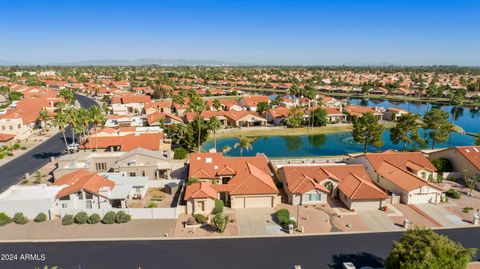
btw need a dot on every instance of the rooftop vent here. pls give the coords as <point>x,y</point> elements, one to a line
<point>208,160</point>
<point>475,149</point>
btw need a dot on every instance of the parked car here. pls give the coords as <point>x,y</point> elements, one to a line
<point>74,147</point>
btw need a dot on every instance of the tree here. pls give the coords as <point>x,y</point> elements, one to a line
<point>245,143</point>
<point>60,121</point>
<point>67,95</point>
<point>43,117</point>
<point>217,104</point>
<point>197,105</point>
<point>319,117</point>
<point>477,140</point>
<point>437,126</point>
<point>214,124</point>
<point>457,98</point>
<point>294,118</point>
<point>262,107</point>
<point>471,182</point>
<point>406,130</point>
<point>367,131</point>
<point>98,120</point>
<point>220,222</point>
<point>422,248</point>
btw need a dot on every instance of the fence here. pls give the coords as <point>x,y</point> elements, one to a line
<point>136,213</point>
<point>319,160</point>
<point>253,128</point>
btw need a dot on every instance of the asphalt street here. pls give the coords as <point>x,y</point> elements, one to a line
<point>326,251</point>
<point>12,172</point>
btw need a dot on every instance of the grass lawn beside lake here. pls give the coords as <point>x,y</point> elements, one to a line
<point>291,131</point>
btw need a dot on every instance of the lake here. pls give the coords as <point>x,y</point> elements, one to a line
<point>342,143</point>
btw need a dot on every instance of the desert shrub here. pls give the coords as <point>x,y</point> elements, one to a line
<point>19,218</point>
<point>122,217</point>
<point>109,218</point>
<point>220,222</point>
<point>283,218</point>
<point>153,205</point>
<point>442,165</point>
<point>467,209</point>
<point>81,218</point>
<point>9,154</point>
<point>41,217</point>
<point>179,153</point>
<point>453,194</point>
<point>218,208</point>
<point>68,219</point>
<point>4,219</point>
<point>199,218</point>
<point>16,146</point>
<point>94,219</point>
<point>23,148</point>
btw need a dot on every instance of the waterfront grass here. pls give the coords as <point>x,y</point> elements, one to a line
<point>293,131</point>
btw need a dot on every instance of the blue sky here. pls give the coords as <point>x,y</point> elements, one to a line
<point>260,32</point>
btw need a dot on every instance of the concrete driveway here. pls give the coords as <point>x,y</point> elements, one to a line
<point>376,220</point>
<point>256,221</point>
<point>442,215</point>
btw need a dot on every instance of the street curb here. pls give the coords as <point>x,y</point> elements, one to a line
<point>213,238</point>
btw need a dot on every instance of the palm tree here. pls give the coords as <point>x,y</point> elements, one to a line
<point>214,124</point>
<point>72,120</point>
<point>98,120</point>
<point>245,143</point>
<point>226,149</point>
<point>84,121</point>
<point>43,117</point>
<point>60,121</point>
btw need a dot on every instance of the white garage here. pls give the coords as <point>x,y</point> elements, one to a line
<point>252,201</point>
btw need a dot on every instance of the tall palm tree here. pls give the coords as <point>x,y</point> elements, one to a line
<point>98,120</point>
<point>245,143</point>
<point>43,117</point>
<point>72,120</point>
<point>214,124</point>
<point>197,105</point>
<point>60,121</point>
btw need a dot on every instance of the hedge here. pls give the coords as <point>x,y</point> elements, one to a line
<point>4,219</point>
<point>218,208</point>
<point>179,153</point>
<point>122,217</point>
<point>41,217</point>
<point>109,218</point>
<point>19,218</point>
<point>94,219</point>
<point>67,219</point>
<point>81,218</point>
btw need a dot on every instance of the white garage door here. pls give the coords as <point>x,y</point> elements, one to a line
<point>256,202</point>
<point>422,198</point>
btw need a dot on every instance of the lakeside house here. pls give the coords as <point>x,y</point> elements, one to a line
<point>240,182</point>
<point>464,160</point>
<point>313,184</point>
<point>409,175</point>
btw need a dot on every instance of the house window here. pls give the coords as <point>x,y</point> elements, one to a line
<point>89,204</point>
<point>64,205</point>
<point>88,195</point>
<point>19,126</point>
<point>3,128</point>
<point>132,174</point>
<point>11,127</point>
<point>101,166</point>
<point>314,197</point>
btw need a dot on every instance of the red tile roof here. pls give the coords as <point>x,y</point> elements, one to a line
<point>82,180</point>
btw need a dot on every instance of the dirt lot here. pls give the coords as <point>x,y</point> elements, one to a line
<point>206,230</point>
<point>153,195</point>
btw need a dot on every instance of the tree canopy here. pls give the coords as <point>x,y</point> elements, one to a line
<point>425,249</point>
<point>367,131</point>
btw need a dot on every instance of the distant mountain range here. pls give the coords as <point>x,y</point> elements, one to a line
<point>137,62</point>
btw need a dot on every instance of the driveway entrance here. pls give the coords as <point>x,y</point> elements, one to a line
<point>442,215</point>
<point>256,221</point>
<point>376,220</point>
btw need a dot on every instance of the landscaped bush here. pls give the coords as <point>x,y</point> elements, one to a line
<point>19,218</point>
<point>94,219</point>
<point>41,217</point>
<point>23,148</point>
<point>4,219</point>
<point>453,194</point>
<point>442,165</point>
<point>467,209</point>
<point>16,146</point>
<point>67,219</point>
<point>152,205</point>
<point>122,217</point>
<point>179,153</point>
<point>218,207</point>
<point>283,218</point>
<point>220,222</point>
<point>199,218</point>
<point>81,218</point>
<point>109,218</point>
